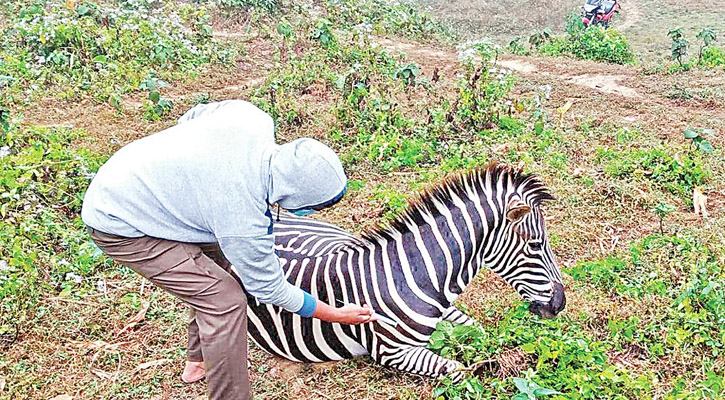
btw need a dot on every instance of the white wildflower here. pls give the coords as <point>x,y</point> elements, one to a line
<point>547,91</point>
<point>101,285</point>
<point>467,54</point>
<point>74,277</point>
<point>4,266</point>
<point>4,151</point>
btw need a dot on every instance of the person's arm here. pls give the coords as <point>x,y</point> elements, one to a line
<point>254,261</point>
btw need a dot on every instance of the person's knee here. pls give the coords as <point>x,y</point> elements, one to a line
<point>231,298</point>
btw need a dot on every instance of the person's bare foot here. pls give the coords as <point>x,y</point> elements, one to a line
<point>193,371</point>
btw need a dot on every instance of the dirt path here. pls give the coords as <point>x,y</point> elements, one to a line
<point>600,91</point>
<point>632,14</point>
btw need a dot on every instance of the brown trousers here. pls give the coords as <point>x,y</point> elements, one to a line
<point>199,275</point>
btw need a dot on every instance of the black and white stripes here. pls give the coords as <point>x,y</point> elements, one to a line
<point>412,271</point>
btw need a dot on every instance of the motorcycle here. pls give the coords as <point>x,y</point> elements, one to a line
<point>599,12</point>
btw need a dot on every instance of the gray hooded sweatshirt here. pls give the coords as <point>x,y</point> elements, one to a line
<point>211,178</point>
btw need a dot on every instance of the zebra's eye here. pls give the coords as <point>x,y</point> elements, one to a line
<point>535,246</point>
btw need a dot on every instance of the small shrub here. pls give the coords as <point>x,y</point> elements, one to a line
<point>595,43</point>
<point>662,210</point>
<point>697,135</point>
<point>404,18</point>
<point>517,47</point>
<point>539,37</point>
<point>713,57</point>
<point>483,89</point>
<point>676,175</point>
<point>679,45</point>
<point>707,36</point>
<point>43,247</point>
<point>156,106</point>
<point>246,5</point>
<point>393,201</point>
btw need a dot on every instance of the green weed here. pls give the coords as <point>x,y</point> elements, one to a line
<point>99,49</point>
<point>43,245</point>
<point>595,43</point>
<point>676,174</point>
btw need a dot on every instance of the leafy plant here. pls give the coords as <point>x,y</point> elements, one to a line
<point>530,390</point>
<point>539,37</point>
<point>483,89</point>
<point>516,46</point>
<point>408,73</point>
<point>4,120</point>
<point>157,106</point>
<point>662,210</point>
<point>246,5</point>
<point>574,25</point>
<point>42,181</point>
<point>393,201</point>
<point>713,57</point>
<point>402,18</point>
<point>677,175</point>
<point>697,135</point>
<point>679,45</point>
<point>707,36</point>
<point>323,32</point>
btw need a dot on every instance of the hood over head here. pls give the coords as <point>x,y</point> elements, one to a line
<point>305,173</point>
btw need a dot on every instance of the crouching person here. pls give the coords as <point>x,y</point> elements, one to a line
<point>189,210</point>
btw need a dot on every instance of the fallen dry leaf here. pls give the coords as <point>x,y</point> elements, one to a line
<point>152,364</point>
<point>562,112</point>
<point>101,373</point>
<point>62,397</point>
<point>133,321</point>
<point>95,345</point>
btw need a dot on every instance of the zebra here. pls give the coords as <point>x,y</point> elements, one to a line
<point>412,271</point>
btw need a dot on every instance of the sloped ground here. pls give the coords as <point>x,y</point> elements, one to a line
<point>149,358</point>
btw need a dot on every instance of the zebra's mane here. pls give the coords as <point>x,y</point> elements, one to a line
<point>455,184</point>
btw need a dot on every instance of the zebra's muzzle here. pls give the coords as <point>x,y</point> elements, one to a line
<point>553,307</point>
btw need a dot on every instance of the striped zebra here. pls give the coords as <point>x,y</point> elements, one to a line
<point>412,271</point>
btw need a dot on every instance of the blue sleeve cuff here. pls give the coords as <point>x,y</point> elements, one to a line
<point>308,306</point>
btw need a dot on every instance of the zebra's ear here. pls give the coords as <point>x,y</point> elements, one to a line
<point>516,210</point>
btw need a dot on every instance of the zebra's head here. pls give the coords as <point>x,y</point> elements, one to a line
<point>488,216</point>
<point>526,261</point>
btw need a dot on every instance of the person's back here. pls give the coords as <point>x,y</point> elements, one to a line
<point>183,183</point>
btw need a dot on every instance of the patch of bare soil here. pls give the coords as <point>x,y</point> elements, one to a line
<point>603,83</point>
<point>518,65</point>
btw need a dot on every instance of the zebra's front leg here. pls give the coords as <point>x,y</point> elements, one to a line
<point>456,316</point>
<point>421,361</point>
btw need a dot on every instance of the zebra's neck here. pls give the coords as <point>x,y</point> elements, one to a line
<point>439,252</point>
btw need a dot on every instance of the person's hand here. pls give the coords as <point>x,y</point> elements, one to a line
<point>352,314</point>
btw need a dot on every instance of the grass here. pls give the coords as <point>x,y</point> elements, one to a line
<point>644,316</point>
